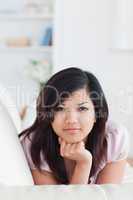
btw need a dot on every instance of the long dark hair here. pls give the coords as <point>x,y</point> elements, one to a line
<point>44,139</point>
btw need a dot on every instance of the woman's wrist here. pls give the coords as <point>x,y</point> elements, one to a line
<point>84,163</point>
<point>81,172</point>
<point>87,161</point>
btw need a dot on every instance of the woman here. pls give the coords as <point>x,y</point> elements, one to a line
<point>71,141</point>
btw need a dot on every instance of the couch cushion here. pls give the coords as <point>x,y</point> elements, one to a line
<point>14,169</point>
<point>118,191</point>
<point>7,101</point>
<point>68,192</point>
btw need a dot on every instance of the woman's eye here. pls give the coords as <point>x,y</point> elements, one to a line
<point>59,109</point>
<point>83,108</point>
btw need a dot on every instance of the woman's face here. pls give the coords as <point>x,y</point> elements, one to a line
<point>75,117</point>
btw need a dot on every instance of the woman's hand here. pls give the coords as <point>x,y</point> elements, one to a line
<point>75,151</point>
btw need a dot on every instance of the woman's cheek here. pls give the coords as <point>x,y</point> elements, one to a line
<point>87,122</point>
<point>57,124</point>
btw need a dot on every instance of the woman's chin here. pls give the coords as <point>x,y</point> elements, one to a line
<point>74,140</point>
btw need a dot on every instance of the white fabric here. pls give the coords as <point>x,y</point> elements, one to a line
<point>128,176</point>
<point>14,169</point>
<point>118,191</point>
<point>30,116</point>
<point>10,106</point>
<point>71,192</point>
<point>118,141</point>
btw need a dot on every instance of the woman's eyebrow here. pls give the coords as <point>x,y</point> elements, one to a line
<point>79,104</point>
<point>83,103</point>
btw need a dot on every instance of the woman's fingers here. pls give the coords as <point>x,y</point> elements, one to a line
<point>73,147</point>
<point>59,139</point>
<point>67,148</point>
<point>62,146</point>
<point>74,151</point>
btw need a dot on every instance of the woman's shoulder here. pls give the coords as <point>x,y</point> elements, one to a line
<point>26,137</point>
<point>115,129</point>
<point>26,142</point>
<point>117,140</point>
<point>112,127</point>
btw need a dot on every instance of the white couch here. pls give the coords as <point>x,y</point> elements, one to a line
<point>71,192</point>
<point>14,171</point>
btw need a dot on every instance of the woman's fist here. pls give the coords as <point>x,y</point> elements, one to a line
<point>75,151</point>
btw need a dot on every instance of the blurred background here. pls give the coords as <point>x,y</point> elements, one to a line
<point>40,37</point>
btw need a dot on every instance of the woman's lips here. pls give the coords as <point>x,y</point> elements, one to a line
<point>72,130</point>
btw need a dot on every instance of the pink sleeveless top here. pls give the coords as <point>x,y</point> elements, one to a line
<point>118,147</point>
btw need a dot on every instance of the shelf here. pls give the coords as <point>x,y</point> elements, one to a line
<point>25,16</point>
<point>46,49</point>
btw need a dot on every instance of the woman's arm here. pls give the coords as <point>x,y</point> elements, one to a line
<point>76,152</point>
<point>82,157</point>
<point>81,173</point>
<point>112,173</point>
<point>45,178</point>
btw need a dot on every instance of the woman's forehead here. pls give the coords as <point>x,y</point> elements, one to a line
<point>78,97</point>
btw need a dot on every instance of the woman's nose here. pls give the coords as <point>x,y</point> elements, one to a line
<point>71,116</point>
